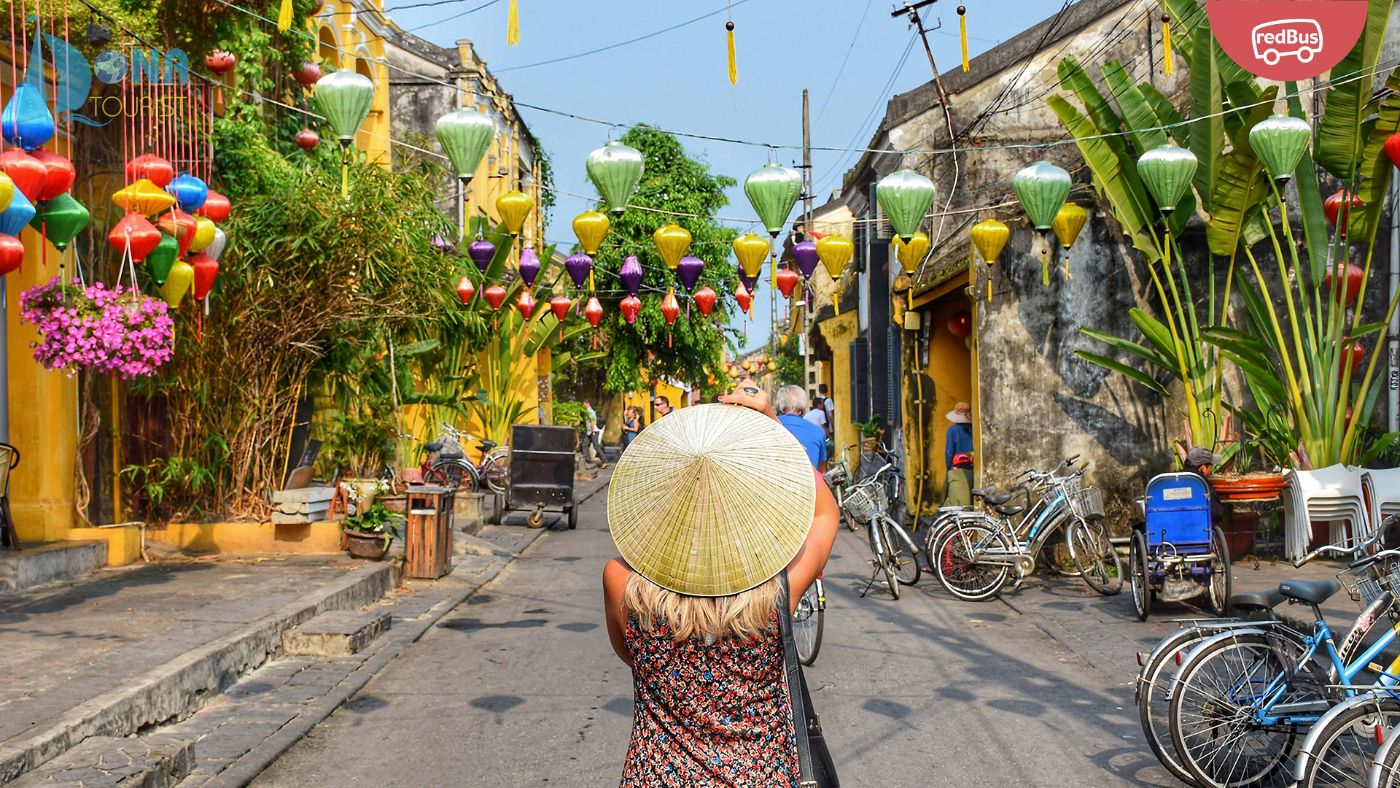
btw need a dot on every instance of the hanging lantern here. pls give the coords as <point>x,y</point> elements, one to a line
<point>495,295</point>
<point>1042,188</point>
<point>773,191</point>
<point>60,219</point>
<point>629,307</point>
<point>216,206</point>
<point>481,251</point>
<point>11,254</point>
<point>26,121</point>
<point>465,290</point>
<point>743,298</point>
<point>787,282</point>
<point>26,172</point>
<point>189,192</point>
<point>750,282</point>
<point>805,255</point>
<point>673,241</point>
<point>589,228</point>
<point>579,266</point>
<point>15,217</point>
<point>835,252</point>
<point>526,304</point>
<point>1338,209</point>
<point>1166,171</point>
<point>344,98</point>
<point>307,139</point>
<point>221,62</point>
<point>1350,286</point>
<point>206,270</point>
<point>204,229</point>
<point>670,307</point>
<point>529,266</point>
<point>911,253</point>
<point>464,135</point>
<point>905,196</point>
<point>751,250</point>
<point>594,311</point>
<point>705,301</point>
<point>1069,221</point>
<point>160,260</point>
<point>1280,141</point>
<point>136,230</point>
<point>688,270</point>
<point>960,325</point>
<point>1353,356</point>
<point>615,170</point>
<point>7,191</point>
<point>560,306</point>
<point>151,167</point>
<point>143,197</point>
<point>177,283</point>
<point>631,274</point>
<point>308,74</point>
<point>58,174</point>
<point>215,249</point>
<point>181,226</point>
<point>990,237</point>
<point>1392,149</point>
<point>514,206</point>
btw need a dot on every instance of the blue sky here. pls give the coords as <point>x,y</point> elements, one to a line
<point>677,80</point>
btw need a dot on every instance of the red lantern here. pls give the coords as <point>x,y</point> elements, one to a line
<point>1352,285</point>
<point>11,254</point>
<point>136,230</point>
<point>181,226</point>
<point>465,290</point>
<point>308,74</point>
<point>151,167</point>
<point>28,173</point>
<point>787,281</point>
<point>960,325</point>
<point>560,306</point>
<point>593,311</point>
<point>1339,206</point>
<point>307,139</point>
<point>705,300</point>
<point>1353,354</point>
<point>316,6</point>
<point>216,207</point>
<point>206,270</point>
<point>58,174</point>
<point>495,295</point>
<point>1392,148</point>
<point>670,308</point>
<point>629,307</point>
<point>220,62</point>
<point>743,298</point>
<point>525,303</point>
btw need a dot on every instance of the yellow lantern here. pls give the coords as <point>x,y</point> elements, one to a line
<point>835,252</point>
<point>673,241</point>
<point>911,252</point>
<point>514,206</point>
<point>7,191</point>
<point>143,197</point>
<point>750,250</point>
<point>590,227</point>
<point>203,233</point>
<point>990,237</point>
<point>177,283</point>
<point>1068,222</point>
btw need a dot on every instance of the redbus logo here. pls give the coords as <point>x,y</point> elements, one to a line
<point>1287,39</point>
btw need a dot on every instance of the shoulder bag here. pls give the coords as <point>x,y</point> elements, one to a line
<point>814,759</point>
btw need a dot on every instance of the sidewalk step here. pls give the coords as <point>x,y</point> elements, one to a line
<point>338,633</point>
<point>46,563</point>
<point>148,762</point>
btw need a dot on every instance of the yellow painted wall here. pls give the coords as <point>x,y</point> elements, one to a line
<point>249,538</point>
<point>950,369</point>
<point>123,542</point>
<point>347,43</point>
<point>838,332</point>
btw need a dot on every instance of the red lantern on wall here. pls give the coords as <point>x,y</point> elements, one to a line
<point>1350,287</point>
<point>307,139</point>
<point>307,74</point>
<point>1338,209</point>
<point>1392,148</point>
<point>960,325</point>
<point>11,254</point>
<point>220,62</point>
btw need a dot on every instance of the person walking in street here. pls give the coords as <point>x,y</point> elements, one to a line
<point>661,404</point>
<point>828,406</point>
<point>817,415</point>
<point>631,425</point>
<point>957,454</point>
<point>592,440</point>
<point>714,512</point>
<point>792,404</point>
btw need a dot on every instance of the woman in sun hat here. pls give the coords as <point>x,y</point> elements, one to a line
<point>709,508</point>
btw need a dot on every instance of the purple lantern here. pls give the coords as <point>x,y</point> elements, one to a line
<point>529,266</point>
<point>481,251</point>
<point>578,266</point>
<point>750,282</point>
<point>441,244</point>
<point>805,254</point>
<point>631,274</point>
<point>688,271</point>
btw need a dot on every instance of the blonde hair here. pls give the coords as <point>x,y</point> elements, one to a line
<point>744,615</point>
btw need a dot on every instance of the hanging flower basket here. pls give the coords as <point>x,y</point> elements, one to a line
<point>110,331</point>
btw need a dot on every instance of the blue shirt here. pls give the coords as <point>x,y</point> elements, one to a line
<point>812,437</point>
<point>959,442</point>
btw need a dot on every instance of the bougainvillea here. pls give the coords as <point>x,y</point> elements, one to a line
<point>110,331</point>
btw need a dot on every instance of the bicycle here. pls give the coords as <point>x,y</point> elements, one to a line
<point>838,478</point>
<point>445,465</point>
<point>894,552</point>
<point>892,465</point>
<point>807,622</point>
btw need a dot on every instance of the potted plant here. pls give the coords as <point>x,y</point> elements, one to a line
<point>870,433</point>
<point>110,331</point>
<point>370,531</point>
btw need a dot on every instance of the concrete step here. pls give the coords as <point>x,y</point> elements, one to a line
<point>338,633</point>
<point>48,563</point>
<point>146,762</point>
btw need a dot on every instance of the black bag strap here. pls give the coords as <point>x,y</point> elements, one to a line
<point>797,688</point>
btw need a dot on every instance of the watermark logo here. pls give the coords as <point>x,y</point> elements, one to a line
<point>1287,39</point>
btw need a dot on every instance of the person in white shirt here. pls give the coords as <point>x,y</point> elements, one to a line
<point>817,415</point>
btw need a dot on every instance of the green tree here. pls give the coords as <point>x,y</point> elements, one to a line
<point>788,362</point>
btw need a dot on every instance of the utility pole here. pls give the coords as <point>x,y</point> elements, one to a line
<point>913,13</point>
<point>806,233</point>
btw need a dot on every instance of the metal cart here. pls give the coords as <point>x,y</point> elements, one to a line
<point>1177,554</point>
<point>541,473</point>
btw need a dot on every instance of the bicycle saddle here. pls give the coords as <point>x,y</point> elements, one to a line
<point>487,445</point>
<point>998,499</point>
<point>1314,592</point>
<point>1008,511</point>
<point>982,492</point>
<point>1266,600</point>
<point>435,446</point>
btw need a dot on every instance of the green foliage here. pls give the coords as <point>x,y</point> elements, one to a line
<point>789,366</point>
<point>375,520</point>
<point>569,414</point>
<point>170,487</point>
<point>545,181</point>
<point>869,429</point>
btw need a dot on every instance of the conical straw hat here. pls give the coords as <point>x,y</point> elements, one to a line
<point>711,500</point>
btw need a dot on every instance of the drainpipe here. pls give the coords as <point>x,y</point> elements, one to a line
<point>1393,338</point>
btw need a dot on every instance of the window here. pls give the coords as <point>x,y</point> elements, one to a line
<point>327,47</point>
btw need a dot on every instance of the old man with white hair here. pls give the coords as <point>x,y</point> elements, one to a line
<point>791,405</point>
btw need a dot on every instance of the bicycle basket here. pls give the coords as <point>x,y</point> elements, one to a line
<point>1087,503</point>
<point>837,474</point>
<point>865,502</point>
<point>1362,588</point>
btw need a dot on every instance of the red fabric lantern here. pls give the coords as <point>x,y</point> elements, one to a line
<point>787,281</point>
<point>465,290</point>
<point>1392,148</point>
<point>136,230</point>
<point>526,304</point>
<point>1351,288</point>
<point>206,270</point>
<point>705,300</point>
<point>1338,208</point>
<point>743,298</point>
<point>216,207</point>
<point>629,307</point>
<point>181,226</point>
<point>28,173</point>
<point>220,62</point>
<point>58,174</point>
<point>11,254</point>
<point>307,74</point>
<point>670,307</point>
<point>151,167</point>
<point>495,295</point>
<point>307,139</point>
<point>560,306</point>
<point>1354,354</point>
<point>960,325</point>
<point>593,311</point>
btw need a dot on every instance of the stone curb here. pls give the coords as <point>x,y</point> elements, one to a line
<point>182,685</point>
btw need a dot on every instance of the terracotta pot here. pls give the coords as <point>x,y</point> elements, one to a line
<point>395,503</point>
<point>1253,487</point>
<point>370,546</point>
<point>1239,534</point>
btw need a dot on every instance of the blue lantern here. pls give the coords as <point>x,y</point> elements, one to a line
<point>190,192</point>
<point>17,216</point>
<point>26,120</point>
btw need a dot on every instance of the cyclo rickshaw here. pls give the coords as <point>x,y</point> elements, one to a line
<point>1177,553</point>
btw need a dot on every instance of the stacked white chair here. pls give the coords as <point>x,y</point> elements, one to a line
<point>1336,494</point>
<point>1385,493</point>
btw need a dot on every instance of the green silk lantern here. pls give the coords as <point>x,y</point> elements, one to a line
<point>162,258</point>
<point>1280,141</point>
<point>60,220</point>
<point>464,135</point>
<point>344,98</point>
<point>615,170</point>
<point>1042,188</point>
<point>773,191</point>
<point>177,284</point>
<point>905,196</point>
<point>1167,170</point>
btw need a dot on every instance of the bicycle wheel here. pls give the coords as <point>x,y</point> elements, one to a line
<point>1137,574</point>
<point>1220,582</point>
<point>1215,693</point>
<point>1154,682</point>
<point>807,623</point>
<point>1095,556</point>
<point>495,469</point>
<point>882,558</point>
<point>1344,743</point>
<point>453,474</point>
<point>957,560</point>
<point>1385,772</point>
<point>903,552</point>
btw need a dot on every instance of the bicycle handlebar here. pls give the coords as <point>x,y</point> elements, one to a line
<point>1341,552</point>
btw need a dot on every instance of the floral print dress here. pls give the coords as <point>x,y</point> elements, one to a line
<point>709,714</point>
